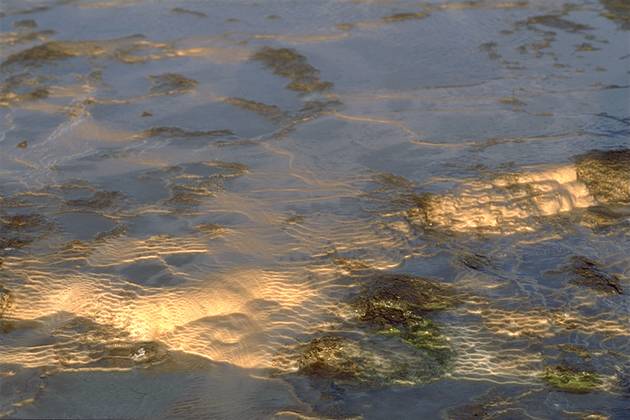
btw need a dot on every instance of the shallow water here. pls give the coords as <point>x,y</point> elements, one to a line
<point>378,209</point>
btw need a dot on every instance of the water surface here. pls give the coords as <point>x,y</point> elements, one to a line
<point>314,209</point>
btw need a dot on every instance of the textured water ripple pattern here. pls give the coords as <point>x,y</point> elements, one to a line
<point>322,209</point>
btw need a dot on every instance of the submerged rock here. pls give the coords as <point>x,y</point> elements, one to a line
<point>569,379</point>
<point>606,174</point>
<point>367,361</point>
<point>332,357</point>
<point>398,293</point>
<point>289,63</point>
<point>395,342</point>
<point>590,274</point>
<point>397,305</point>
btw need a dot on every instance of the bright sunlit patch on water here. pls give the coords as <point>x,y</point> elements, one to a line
<point>334,209</point>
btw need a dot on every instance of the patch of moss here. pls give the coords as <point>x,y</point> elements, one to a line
<point>606,174</point>
<point>289,63</point>
<point>402,17</point>
<point>397,306</point>
<point>571,380</point>
<point>171,84</point>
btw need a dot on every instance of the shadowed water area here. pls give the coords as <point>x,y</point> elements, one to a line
<point>315,209</point>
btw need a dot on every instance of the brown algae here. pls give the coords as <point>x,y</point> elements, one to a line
<point>292,65</point>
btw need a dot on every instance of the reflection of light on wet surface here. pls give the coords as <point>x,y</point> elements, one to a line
<point>183,210</point>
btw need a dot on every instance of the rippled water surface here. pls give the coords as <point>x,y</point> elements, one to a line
<point>306,209</point>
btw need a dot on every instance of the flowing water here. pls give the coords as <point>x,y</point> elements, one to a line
<point>306,209</point>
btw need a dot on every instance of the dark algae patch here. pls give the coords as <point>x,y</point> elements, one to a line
<point>396,344</point>
<point>182,11</point>
<point>402,17</point>
<point>271,112</point>
<point>171,84</point>
<point>100,200</point>
<point>399,293</point>
<point>289,63</point>
<point>48,52</point>
<point>590,274</point>
<point>557,22</point>
<point>568,379</point>
<point>606,174</point>
<point>397,305</point>
<point>180,133</point>
<point>618,11</point>
<point>25,24</point>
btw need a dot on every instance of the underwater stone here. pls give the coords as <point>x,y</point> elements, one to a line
<point>606,174</point>
<point>403,293</point>
<point>397,306</point>
<point>330,357</point>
